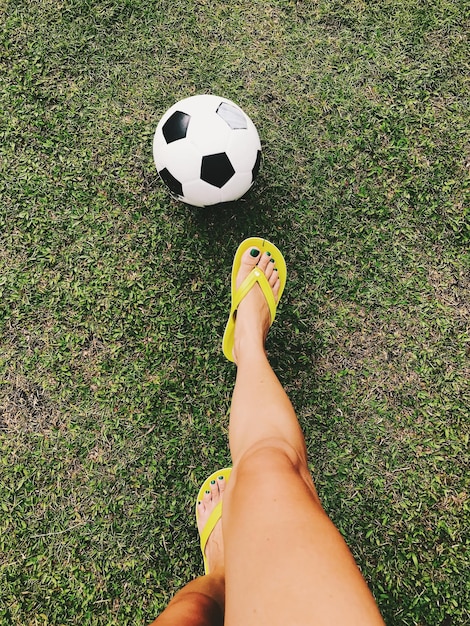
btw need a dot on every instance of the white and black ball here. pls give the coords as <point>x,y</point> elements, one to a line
<point>207,150</point>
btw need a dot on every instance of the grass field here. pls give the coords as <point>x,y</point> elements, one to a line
<point>114,393</point>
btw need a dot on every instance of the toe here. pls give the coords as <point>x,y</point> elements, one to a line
<point>214,490</point>
<point>207,497</point>
<point>221,484</point>
<point>250,257</point>
<point>273,278</point>
<point>264,261</point>
<point>248,261</point>
<point>201,508</point>
<point>270,270</point>
<point>276,285</point>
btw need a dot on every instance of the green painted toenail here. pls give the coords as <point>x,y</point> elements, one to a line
<point>212,482</point>
<point>254,252</point>
<point>268,253</point>
<point>271,260</point>
<point>207,492</point>
<point>221,477</point>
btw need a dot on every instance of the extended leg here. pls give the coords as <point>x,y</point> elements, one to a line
<point>285,561</point>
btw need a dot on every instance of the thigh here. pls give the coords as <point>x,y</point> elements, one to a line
<point>285,562</point>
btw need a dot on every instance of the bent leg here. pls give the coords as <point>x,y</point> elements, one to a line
<point>199,603</point>
<point>285,562</point>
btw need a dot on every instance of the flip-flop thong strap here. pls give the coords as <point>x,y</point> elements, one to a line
<point>256,276</point>
<point>210,525</point>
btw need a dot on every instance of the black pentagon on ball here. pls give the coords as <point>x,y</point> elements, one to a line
<point>170,181</point>
<point>216,169</point>
<point>255,170</point>
<point>176,126</point>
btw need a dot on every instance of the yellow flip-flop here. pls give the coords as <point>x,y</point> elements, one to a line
<point>255,276</point>
<point>216,513</point>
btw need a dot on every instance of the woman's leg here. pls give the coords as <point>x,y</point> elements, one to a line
<point>201,602</point>
<point>285,562</point>
<point>196,604</point>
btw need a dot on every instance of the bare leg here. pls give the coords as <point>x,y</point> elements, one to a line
<point>201,602</point>
<point>285,561</point>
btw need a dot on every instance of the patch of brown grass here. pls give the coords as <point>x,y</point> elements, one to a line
<point>25,406</point>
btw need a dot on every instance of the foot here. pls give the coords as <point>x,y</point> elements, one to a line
<point>215,544</point>
<point>253,316</point>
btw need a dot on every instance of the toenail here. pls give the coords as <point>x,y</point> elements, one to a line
<point>254,252</point>
<point>271,260</point>
<point>207,492</point>
<point>212,482</point>
<point>221,477</point>
<point>268,253</point>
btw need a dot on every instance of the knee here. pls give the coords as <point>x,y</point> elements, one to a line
<point>270,455</point>
<point>275,459</point>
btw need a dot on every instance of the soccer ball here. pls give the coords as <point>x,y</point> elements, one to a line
<point>207,150</point>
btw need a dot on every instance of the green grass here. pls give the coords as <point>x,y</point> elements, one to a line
<point>113,298</point>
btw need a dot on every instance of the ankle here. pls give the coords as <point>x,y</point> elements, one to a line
<point>217,576</point>
<point>249,349</point>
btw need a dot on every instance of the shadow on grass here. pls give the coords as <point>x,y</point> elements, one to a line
<point>258,213</point>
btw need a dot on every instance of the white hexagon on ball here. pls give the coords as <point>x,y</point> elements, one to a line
<point>207,150</point>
